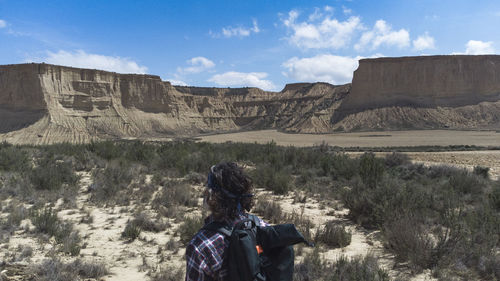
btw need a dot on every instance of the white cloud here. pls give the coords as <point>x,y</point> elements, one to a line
<point>197,65</point>
<point>324,68</point>
<point>251,79</point>
<point>474,47</point>
<point>238,31</point>
<point>177,82</point>
<point>320,31</point>
<point>3,24</point>
<point>82,59</point>
<point>383,35</point>
<point>346,10</point>
<point>424,42</point>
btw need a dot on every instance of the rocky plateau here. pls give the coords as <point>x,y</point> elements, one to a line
<point>42,103</point>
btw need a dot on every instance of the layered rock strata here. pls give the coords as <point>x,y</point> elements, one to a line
<point>423,92</point>
<point>41,103</point>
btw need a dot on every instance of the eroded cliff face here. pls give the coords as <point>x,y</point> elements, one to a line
<point>424,81</point>
<point>457,91</point>
<point>41,103</point>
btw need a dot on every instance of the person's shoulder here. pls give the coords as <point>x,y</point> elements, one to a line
<point>203,239</point>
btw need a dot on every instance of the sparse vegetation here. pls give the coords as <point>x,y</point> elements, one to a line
<point>55,270</point>
<point>131,231</point>
<point>343,269</point>
<point>437,218</point>
<point>189,228</point>
<point>333,235</point>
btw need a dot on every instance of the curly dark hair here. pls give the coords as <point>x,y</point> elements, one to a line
<point>231,177</point>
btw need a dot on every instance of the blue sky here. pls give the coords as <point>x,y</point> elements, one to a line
<point>259,43</point>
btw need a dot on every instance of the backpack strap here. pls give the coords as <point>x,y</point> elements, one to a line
<point>255,219</point>
<point>219,228</point>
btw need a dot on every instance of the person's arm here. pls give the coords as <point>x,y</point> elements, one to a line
<point>196,267</point>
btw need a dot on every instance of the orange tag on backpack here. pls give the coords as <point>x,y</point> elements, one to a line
<point>259,249</point>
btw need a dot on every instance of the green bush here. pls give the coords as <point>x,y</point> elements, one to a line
<point>52,174</point>
<point>343,269</point>
<point>371,169</point>
<point>495,196</point>
<point>144,222</point>
<point>278,181</point>
<point>175,193</point>
<point>46,221</point>
<point>269,210</point>
<point>333,235</point>
<point>358,268</point>
<point>13,158</point>
<point>168,274</point>
<point>55,270</point>
<point>482,171</point>
<point>396,159</point>
<point>189,228</point>
<point>131,231</point>
<point>107,183</point>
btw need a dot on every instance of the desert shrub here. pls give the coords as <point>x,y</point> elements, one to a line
<point>105,149</point>
<point>278,181</point>
<point>55,270</point>
<point>17,214</point>
<point>107,183</point>
<point>13,158</point>
<point>172,245</point>
<point>344,166</point>
<point>495,196</point>
<point>189,228</point>
<point>303,224</point>
<point>174,193</point>
<point>269,210</point>
<point>371,169</point>
<point>144,222</point>
<point>167,274</point>
<point>467,183</point>
<point>195,178</point>
<point>408,240</point>
<point>25,251</point>
<point>46,221</point>
<point>396,159</point>
<point>131,231</point>
<point>357,268</point>
<point>311,268</point>
<point>137,151</point>
<point>71,244</point>
<point>51,174</point>
<point>481,171</point>
<point>333,235</point>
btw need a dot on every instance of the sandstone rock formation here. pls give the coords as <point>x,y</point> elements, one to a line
<point>41,103</point>
<point>423,92</point>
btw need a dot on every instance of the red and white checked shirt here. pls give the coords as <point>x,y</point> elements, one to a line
<point>205,252</point>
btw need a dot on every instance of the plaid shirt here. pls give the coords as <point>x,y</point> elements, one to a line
<point>205,252</point>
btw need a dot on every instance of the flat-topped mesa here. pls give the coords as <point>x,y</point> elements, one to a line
<point>424,81</point>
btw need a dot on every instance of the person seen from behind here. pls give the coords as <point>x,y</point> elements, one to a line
<point>229,198</point>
